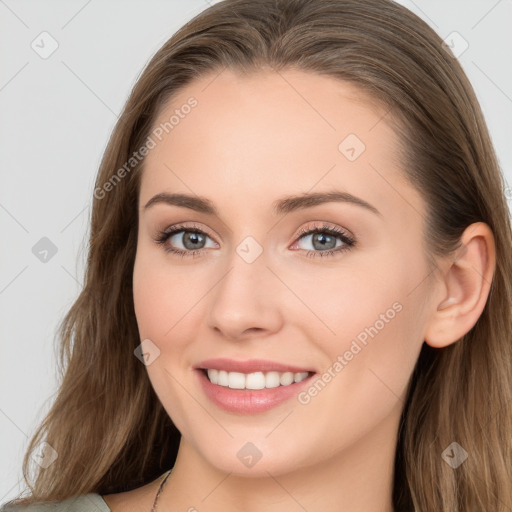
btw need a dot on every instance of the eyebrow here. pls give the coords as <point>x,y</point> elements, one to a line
<point>281,206</point>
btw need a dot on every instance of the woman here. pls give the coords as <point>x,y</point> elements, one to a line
<point>299,281</point>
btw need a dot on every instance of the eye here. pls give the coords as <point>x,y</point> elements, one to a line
<point>191,239</point>
<point>325,240</point>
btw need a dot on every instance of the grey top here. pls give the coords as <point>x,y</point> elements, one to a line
<point>91,502</point>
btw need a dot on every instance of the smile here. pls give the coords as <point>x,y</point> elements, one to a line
<point>255,380</point>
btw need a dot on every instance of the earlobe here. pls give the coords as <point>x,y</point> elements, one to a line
<point>465,283</point>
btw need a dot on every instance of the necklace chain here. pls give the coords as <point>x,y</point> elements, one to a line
<point>153,509</point>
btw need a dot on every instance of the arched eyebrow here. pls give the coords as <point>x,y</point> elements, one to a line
<point>281,206</point>
<point>300,202</point>
<point>197,203</point>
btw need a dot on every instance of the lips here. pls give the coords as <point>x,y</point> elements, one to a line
<point>251,401</point>
<point>250,366</point>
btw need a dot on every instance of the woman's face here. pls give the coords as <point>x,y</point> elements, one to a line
<point>262,286</point>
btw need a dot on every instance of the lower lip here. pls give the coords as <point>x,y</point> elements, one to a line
<point>249,401</point>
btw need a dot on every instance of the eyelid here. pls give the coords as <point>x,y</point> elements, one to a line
<point>185,226</point>
<point>324,227</point>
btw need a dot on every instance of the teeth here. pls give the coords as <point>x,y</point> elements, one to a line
<point>256,380</point>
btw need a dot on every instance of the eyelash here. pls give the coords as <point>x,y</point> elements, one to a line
<point>349,242</point>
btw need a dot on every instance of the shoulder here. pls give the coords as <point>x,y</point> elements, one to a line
<point>139,499</point>
<point>84,503</point>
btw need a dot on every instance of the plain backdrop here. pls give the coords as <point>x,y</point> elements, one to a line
<point>57,112</point>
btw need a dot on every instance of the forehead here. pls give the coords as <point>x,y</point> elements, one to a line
<point>268,134</point>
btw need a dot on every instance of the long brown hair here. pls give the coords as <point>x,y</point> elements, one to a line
<point>107,425</point>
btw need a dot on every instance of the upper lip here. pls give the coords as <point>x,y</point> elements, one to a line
<point>250,366</point>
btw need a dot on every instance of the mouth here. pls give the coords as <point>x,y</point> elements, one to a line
<point>253,390</point>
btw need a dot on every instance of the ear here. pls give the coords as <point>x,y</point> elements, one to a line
<point>464,287</point>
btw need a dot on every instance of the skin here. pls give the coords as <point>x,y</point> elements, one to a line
<point>250,141</point>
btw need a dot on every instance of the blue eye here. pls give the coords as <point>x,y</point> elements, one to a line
<point>323,237</point>
<point>189,238</point>
<point>193,240</point>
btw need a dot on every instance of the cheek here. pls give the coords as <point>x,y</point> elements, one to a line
<point>162,294</point>
<point>346,300</point>
<point>370,313</point>
<point>165,315</point>
<point>150,299</point>
<point>368,362</point>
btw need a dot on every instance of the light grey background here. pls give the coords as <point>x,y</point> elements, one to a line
<point>56,116</point>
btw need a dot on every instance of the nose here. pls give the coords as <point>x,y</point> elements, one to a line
<point>247,301</point>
